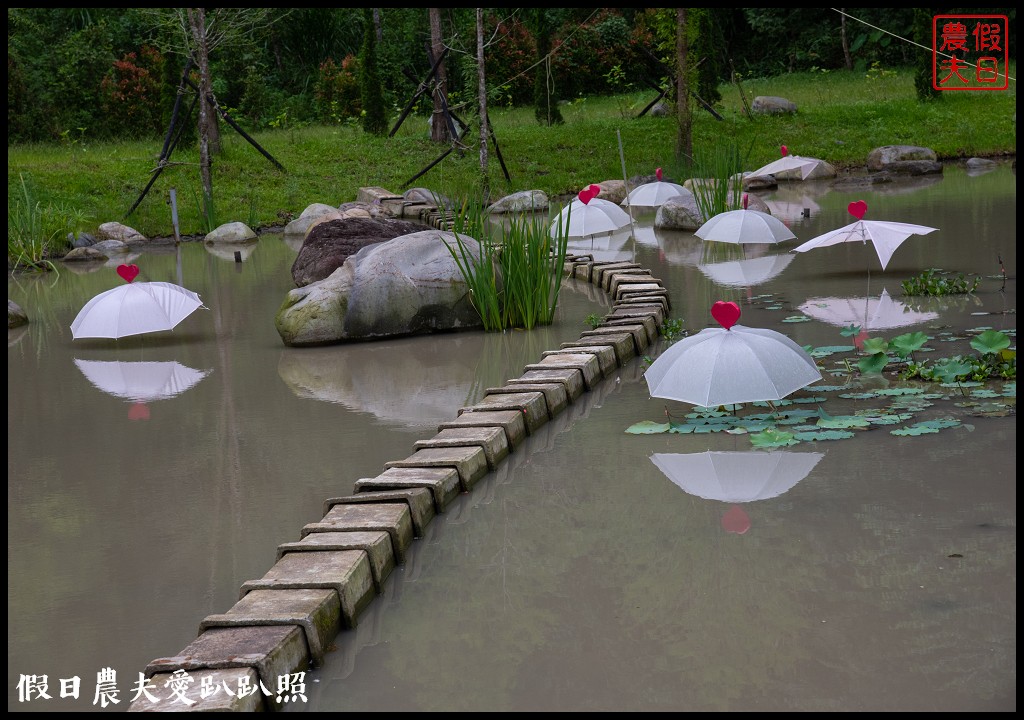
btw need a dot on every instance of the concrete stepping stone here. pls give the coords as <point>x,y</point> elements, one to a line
<point>347,572</point>
<point>419,500</point>
<point>605,356</point>
<point>491,439</point>
<point>512,421</point>
<point>443,482</point>
<point>570,378</point>
<point>555,395</point>
<point>532,405</point>
<point>375,543</point>
<point>393,518</point>
<point>262,653</point>
<point>587,364</point>
<point>469,462</point>
<point>317,612</point>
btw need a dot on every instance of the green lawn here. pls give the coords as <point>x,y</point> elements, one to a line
<point>841,117</point>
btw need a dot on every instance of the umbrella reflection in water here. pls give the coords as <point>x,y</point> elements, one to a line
<point>736,477</point>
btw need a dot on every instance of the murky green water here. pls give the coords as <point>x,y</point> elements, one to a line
<point>576,577</point>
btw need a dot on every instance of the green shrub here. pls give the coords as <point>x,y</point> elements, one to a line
<point>336,90</point>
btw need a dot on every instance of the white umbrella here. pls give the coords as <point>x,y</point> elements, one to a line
<point>884,235</point>
<point>654,194</point>
<point>140,381</point>
<point>737,477</point>
<point>134,309</point>
<point>731,364</point>
<point>870,313</point>
<point>588,215</point>
<point>744,226</point>
<point>786,163</point>
<point>747,272</point>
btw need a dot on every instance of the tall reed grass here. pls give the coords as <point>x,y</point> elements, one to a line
<point>514,277</point>
<point>36,232</point>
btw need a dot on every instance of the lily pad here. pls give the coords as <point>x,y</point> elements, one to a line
<point>772,438</point>
<point>647,427</point>
<point>900,391</point>
<point>914,430</point>
<point>991,341</point>
<point>893,419</point>
<point>841,422</point>
<point>796,319</point>
<point>824,435</point>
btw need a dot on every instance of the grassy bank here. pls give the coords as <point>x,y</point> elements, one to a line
<point>841,117</point>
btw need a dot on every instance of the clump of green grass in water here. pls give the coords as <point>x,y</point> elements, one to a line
<point>714,188</point>
<point>931,283</point>
<point>514,281</point>
<point>36,232</point>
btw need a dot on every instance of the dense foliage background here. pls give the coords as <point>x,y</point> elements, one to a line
<point>75,73</point>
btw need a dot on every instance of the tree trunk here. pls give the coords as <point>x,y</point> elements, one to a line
<point>482,89</point>
<point>684,140</point>
<point>438,125</point>
<point>207,115</point>
<point>376,25</point>
<point>846,42</point>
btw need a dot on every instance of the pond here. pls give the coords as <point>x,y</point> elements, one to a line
<point>577,576</point>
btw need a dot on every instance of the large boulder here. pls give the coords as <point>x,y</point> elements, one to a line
<point>910,159</point>
<point>523,201</point>
<point>121,233</point>
<point>772,105</point>
<point>232,233</point>
<point>406,286</point>
<point>683,213</point>
<point>16,317</point>
<point>300,225</point>
<point>331,242</point>
<point>614,191</point>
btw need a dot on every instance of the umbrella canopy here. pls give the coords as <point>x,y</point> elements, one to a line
<point>654,194</point>
<point>737,477</point>
<point>885,236</point>
<point>744,226</point>
<point>870,313</point>
<point>747,272</point>
<point>785,163</point>
<point>140,381</point>
<point>730,365</point>
<point>134,309</point>
<point>588,215</point>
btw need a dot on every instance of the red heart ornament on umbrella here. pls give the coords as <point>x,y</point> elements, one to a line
<point>585,196</point>
<point>726,313</point>
<point>785,150</point>
<point>595,189</point>
<point>857,209</point>
<point>657,174</point>
<point>128,272</point>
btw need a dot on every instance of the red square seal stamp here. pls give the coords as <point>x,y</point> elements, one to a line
<point>970,52</point>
